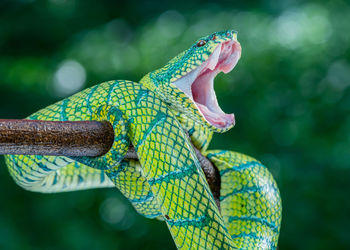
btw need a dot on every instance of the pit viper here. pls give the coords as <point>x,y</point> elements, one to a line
<point>162,115</point>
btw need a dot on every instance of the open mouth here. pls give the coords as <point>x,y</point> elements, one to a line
<point>199,83</point>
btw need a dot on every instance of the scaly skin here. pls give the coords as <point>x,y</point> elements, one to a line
<point>167,182</point>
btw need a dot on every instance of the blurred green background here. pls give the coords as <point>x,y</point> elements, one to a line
<point>290,94</point>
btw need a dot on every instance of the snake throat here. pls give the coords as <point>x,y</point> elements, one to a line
<point>199,83</point>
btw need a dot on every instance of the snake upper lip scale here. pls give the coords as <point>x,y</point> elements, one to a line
<point>199,83</point>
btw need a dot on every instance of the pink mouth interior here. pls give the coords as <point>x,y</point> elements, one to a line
<point>199,83</point>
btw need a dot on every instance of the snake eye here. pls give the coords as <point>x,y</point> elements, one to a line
<point>201,43</point>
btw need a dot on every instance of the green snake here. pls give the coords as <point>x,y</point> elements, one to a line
<point>161,115</point>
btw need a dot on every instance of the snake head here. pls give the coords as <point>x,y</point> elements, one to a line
<point>187,81</point>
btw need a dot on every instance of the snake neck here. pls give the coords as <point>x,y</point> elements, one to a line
<point>200,134</point>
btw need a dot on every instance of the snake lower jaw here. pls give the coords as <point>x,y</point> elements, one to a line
<point>222,120</point>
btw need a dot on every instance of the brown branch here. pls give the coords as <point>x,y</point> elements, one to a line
<point>82,138</point>
<point>79,138</point>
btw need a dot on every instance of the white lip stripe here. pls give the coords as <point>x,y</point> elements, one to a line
<point>214,58</point>
<point>185,82</point>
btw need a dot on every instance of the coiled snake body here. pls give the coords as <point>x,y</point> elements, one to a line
<point>155,116</point>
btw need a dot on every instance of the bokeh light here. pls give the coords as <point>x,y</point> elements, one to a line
<point>69,78</point>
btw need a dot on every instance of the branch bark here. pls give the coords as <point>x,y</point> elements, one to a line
<point>30,137</point>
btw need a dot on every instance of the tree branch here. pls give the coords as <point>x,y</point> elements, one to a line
<point>30,137</point>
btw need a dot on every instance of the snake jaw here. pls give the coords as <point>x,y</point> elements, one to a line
<point>199,83</point>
